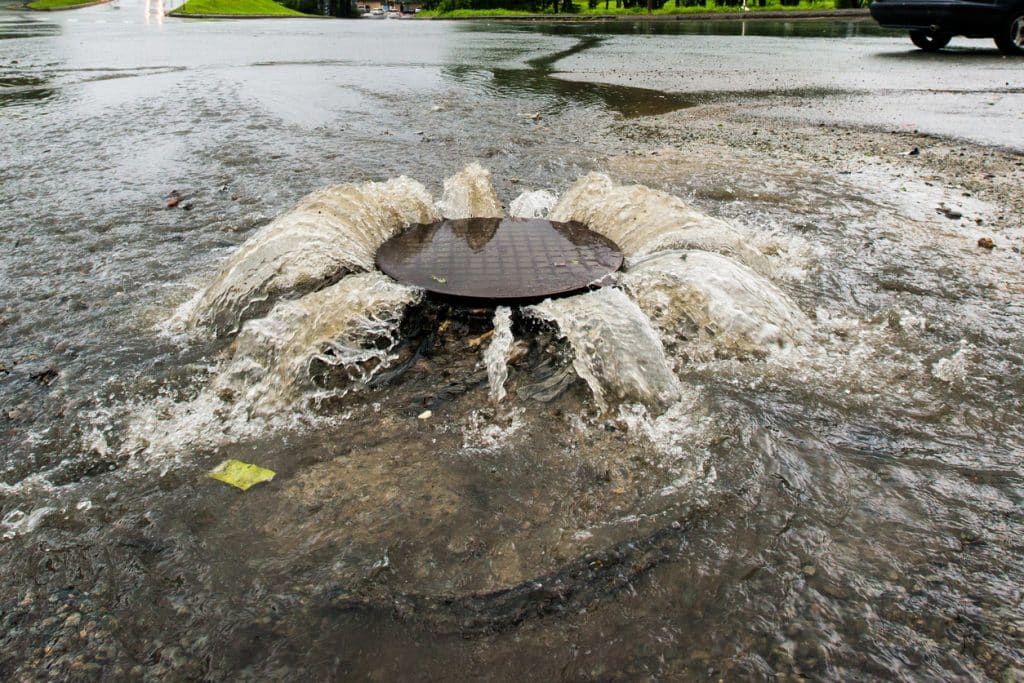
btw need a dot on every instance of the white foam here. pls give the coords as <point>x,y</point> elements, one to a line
<point>956,368</point>
<point>536,204</point>
<point>16,522</point>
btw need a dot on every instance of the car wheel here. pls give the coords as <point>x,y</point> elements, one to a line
<point>1010,39</point>
<point>930,42</point>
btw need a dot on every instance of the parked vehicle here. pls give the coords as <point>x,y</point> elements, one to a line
<point>933,22</point>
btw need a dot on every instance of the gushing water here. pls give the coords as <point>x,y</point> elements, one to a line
<point>497,353</point>
<point>320,344</point>
<point>615,349</point>
<point>331,233</point>
<point>535,204</point>
<point>470,194</point>
<point>699,295</point>
<point>643,221</point>
<point>304,351</point>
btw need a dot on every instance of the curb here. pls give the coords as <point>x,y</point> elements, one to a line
<point>70,7</point>
<point>183,15</point>
<point>687,16</point>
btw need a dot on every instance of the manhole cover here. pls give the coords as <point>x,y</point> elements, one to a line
<point>499,258</point>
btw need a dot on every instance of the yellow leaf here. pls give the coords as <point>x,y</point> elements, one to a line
<point>241,474</point>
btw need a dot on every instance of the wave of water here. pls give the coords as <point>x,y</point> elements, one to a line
<point>309,347</point>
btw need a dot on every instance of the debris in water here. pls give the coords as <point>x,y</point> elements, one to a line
<point>986,243</point>
<point>438,278</point>
<point>951,214</point>
<point>477,341</point>
<point>240,474</point>
<point>44,376</point>
<point>425,415</point>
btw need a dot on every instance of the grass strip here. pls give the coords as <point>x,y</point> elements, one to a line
<point>251,8</point>
<point>59,4</point>
<point>583,10</point>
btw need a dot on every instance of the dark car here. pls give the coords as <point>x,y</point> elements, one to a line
<point>933,22</point>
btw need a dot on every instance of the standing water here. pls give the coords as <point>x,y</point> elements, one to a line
<point>784,441</point>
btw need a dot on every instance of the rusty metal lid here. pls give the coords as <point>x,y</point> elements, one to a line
<point>501,259</point>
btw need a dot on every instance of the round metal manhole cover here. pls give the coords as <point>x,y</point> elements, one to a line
<point>499,258</point>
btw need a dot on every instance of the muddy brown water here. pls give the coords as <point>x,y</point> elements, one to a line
<point>851,509</point>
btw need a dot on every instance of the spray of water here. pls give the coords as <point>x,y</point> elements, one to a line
<point>497,354</point>
<point>331,233</point>
<point>470,194</point>
<point>643,221</point>
<point>319,345</point>
<point>615,349</point>
<point>322,335</point>
<point>706,297</point>
<point>310,349</point>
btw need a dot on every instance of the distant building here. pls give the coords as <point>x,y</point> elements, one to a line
<point>386,6</point>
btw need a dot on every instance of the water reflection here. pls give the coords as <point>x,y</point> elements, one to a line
<point>22,27</point>
<point>499,258</point>
<point>154,12</point>
<point>538,80</point>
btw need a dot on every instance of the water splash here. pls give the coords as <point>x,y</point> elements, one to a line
<point>332,232</point>
<point>536,204</point>
<point>643,221</point>
<point>320,344</point>
<point>497,354</point>
<point>482,434</point>
<point>304,351</point>
<point>616,351</point>
<point>470,194</point>
<point>694,295</point>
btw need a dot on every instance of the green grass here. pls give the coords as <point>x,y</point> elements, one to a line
<point>584,10</point>
<point>263,8</point>
<point>670,8</point>
<point>58,4</point>
<point>476,13</point>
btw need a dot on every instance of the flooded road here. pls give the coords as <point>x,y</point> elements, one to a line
<point>786,443</point>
